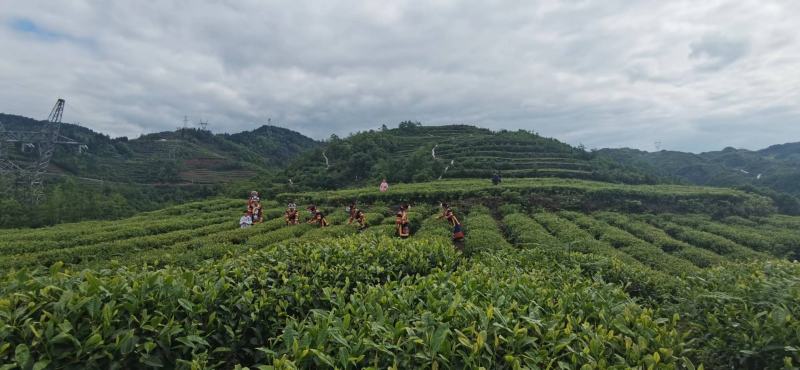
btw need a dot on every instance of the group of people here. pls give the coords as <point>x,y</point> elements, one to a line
<point>403,226</point>
<point>253,214</point>
<point>292,216</point>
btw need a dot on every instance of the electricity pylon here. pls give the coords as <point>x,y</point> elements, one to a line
<point>43,143</point>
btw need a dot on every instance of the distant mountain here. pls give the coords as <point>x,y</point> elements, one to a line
<point>776,167</point>
<point>788,151</point>
<point>185,156</point>
<point>275,145</point>
<point>412,153</point>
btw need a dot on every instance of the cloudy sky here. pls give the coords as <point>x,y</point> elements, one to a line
<point>692,75</point>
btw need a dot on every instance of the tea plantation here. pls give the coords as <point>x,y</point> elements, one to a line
<point>555,274</point>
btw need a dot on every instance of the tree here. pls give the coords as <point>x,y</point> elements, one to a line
<point>409,126</point>
<point>13,214</point>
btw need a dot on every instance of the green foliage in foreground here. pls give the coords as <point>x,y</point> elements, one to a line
<point>220,312</point>
<point>532,290</point>
<point>733,316</point>
<point>374,301</point>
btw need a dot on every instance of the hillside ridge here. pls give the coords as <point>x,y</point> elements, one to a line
<point>776,167</point>
<point>182,156</point>
<point>192,164</point>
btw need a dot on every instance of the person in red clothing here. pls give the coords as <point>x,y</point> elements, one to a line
<point>458,231</point>
<point>444,207</point>
<point>253,200</point>
<point>291,215</point>
<point>450,216</point>
<point>258,217</point>
<point>317,217</point>
<point>351,212</point>
<point>254,206</point>
<point>401,220</point>
<point>357,215</point>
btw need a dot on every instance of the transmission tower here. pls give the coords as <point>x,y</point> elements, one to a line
<point>203,125</point>
<point>185,126</point>
<point>42,142</point>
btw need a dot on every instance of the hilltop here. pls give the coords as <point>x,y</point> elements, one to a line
<point>413,153</point>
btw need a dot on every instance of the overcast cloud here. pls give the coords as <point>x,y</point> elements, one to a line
<point>694,75</point>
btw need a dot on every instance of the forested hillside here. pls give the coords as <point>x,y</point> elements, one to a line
<point>776,168</point>
<point>413,153</point>
<point>116,177</point>
<point>183,156</point>
<point>164,168</point>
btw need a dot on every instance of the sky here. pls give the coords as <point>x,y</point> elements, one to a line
<point>679,75</point>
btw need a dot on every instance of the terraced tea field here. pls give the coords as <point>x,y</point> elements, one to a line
<point>475,153</point>
<point>655,283</point>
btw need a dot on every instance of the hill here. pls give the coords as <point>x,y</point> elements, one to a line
<point>119,177</point>
<point>171,167</point>
<point>183,156</point>
<point>776,167</point>
<point>414,153</point>
<point>553,274</point>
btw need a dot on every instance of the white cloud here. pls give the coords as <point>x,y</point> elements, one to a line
<point>693,75</point>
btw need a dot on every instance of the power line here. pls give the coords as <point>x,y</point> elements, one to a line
<point>42,142</point>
